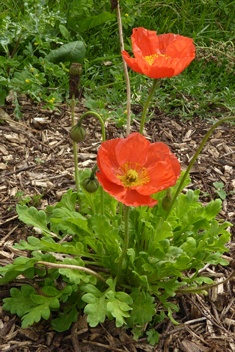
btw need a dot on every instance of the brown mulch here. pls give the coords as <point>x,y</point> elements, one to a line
<point>36,158</point>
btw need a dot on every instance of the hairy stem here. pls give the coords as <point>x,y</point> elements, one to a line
<point>125,246</point>
<point>194,159</point>
<point>103,138</point>
<point>75,150</point>
<point>146,105</point>
<point>128,87</point>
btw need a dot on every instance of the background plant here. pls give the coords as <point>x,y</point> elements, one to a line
<point>30,30</point>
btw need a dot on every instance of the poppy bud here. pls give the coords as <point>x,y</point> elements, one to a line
<point>90,185</point>
<point>166,203</point>
<point>77,134</point>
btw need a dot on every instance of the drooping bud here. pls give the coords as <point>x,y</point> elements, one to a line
<point>77,133</point>
<point>90,184</point>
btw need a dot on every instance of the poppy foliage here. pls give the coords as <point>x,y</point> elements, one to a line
<point>159,56</point>
<point>131,169</point>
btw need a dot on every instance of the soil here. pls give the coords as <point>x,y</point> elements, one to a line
<point>36,157</point>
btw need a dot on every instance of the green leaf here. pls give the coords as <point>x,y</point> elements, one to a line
<point>213,209</point>
<point>143,308</point>
<point>31,216</point>
<point>35,315</point>
<point>68,200</point>
<point>76,276</point>
<point>218,184</point>
<point>65,319</point>
<point>117,308</point>
<point>221,193</point>
<point>20,302</point>
<point>153,337</point>
<point>65,33</point>
<point>96,308</point>
<point>93,21</point>
<point>71,52</point>
<point>68,221</point>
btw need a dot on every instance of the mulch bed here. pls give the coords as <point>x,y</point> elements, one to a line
<point>36,158</point>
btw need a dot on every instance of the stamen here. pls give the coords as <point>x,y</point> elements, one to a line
<point>150,58</point>
<point>132,174</point>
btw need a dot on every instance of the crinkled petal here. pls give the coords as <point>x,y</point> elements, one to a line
<point>181,47</point>
<point>112,188</point>
<point>179,51</point>
<point>162,174</point>
<point>156,151</point>
<point>132,149</point>
<point>144,41</point>
<point>135,199</point>
<point>107,161</point>
<point>133,63</point>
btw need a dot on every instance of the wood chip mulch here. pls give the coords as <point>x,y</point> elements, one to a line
<point>36,158</point>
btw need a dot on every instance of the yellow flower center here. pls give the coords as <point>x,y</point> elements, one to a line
<point>150,58</point>
<point>132,174</point>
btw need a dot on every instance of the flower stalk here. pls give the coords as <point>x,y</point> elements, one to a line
<point>75,150</point>
<point>179,189</point>
<point>125,246</point>
<point>103,139</point>
<point>146,105</point>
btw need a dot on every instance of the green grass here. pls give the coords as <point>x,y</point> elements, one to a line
<point>208,82</point>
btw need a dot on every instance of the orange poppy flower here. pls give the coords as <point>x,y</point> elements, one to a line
<point>159,56</point>
<point>131,169</point>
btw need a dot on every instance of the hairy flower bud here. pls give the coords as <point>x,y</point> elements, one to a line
<point>90,185</point>
<point>77,134</point>
<point>166,203</point>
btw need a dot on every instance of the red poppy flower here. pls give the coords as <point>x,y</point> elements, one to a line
<point>159,56</point>
<point>131,169</point>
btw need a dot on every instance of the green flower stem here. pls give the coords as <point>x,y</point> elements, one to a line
<point>93,172</point>
<point>103,138</point>
<point>101,200</point>
<point>98,117</point>
<point>75,150</point>
<point>147,104</point>
<point>126,242</point>
<point>194,159</point>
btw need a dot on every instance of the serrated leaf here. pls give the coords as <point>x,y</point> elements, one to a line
<point>65,319</point>
<point>35,314</point>
<point>213,209</point>
<point>31,216</point>
<point>68,200</point>
<point>20,302</point>
<point>119,311</point>
<point>68,221</point>
<point>51,291</point>
<point>143,308</point>
<point>153,337</point>
<point>71,52</point>
<point>76,276</point>
<point>96,308</point>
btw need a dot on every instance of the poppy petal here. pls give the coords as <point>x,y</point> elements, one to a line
<point>132,149</point>
<point>107,161</point>
<point>146,169</point>
<point>135,199</point>
<point>133,63</point>
<point>112,188</point>
<point>160,56</point>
